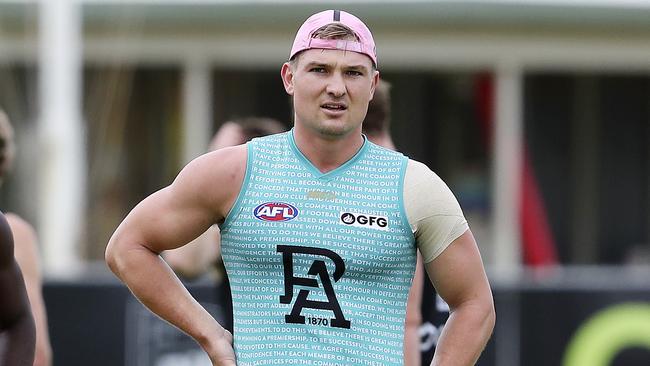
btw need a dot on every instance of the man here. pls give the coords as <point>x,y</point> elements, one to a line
<point>17,332</point>
<point>319,228</point>
<point>26,251</point>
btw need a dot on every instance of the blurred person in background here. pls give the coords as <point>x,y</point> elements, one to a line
<point>203,253</point>
<point>291,207</point>
<point>376,125</point>
<point>17,332</point>
<point>7,145</point>
<point>26,251</point>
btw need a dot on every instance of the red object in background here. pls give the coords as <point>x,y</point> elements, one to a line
<point>536,235</point>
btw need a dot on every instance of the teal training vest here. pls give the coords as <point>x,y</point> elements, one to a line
<point>320,264</point>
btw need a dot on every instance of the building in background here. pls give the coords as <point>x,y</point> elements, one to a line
<point>477,84</point>
<point>536,112</point>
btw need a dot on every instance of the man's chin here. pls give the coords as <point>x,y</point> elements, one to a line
<point>334,132</point>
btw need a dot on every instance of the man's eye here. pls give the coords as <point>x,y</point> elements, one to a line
<point>354,73</point>
<point>317,69</point>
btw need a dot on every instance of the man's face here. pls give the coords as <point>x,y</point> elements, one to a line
<point>331,90</point>
<point>7,149</point>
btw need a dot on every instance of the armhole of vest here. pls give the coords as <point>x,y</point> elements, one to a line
<point>402,207</point>
<point>250,154</point>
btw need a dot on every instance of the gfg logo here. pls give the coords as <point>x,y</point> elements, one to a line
<point>364,220</point>
<point>275,211</point>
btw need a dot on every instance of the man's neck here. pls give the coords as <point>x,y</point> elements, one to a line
<point>327,154</point>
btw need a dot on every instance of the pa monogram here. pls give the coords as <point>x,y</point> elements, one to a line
<point>318,269</point>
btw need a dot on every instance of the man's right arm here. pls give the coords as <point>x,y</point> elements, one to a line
<point>17,331</point>
<point>201,195</point>
<point>196,258</point>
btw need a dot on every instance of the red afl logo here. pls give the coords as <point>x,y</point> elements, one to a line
<point>275,211</point>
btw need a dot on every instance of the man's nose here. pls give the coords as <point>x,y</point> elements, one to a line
<point>336,85</point>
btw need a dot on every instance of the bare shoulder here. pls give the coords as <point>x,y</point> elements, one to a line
<point>216,177</point>
<point>20,227</point>
<point>26,249</point>
<point>224,159</point>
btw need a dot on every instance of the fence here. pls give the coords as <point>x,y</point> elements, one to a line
<point>570,317</point>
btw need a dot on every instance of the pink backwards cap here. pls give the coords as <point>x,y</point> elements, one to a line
<point>304,38</point>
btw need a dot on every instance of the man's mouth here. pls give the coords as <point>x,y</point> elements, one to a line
<point>334,106</point>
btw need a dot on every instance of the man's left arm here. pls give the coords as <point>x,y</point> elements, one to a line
<point>28,258</point>
<point>17,332</point>
<point>459,277</point>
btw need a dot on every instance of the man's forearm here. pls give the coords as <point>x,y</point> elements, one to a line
<point>17,329</point>
<point>411,345</point>
<point>157,287</point>
<point>465,335</point>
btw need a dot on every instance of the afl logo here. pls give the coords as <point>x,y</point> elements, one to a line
<point>275,211</point>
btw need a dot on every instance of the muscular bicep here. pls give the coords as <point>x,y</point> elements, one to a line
<point>458,274</point>
<point>432,210</point>
<point>199,197</point>
<point>163,221</point>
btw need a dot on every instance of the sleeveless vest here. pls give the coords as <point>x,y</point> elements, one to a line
<point>319,264</point>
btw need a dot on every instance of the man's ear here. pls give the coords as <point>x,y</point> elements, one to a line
<point>287,77</point>
<point>375,82</point>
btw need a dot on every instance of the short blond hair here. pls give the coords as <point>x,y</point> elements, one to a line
<point>335,31</point>
<point>330,31</point>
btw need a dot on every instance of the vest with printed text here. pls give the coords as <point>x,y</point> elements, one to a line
<point>319,264</point>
